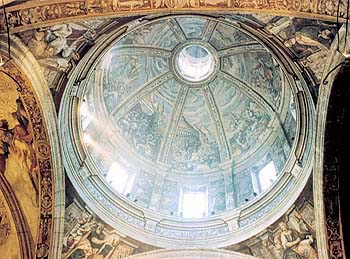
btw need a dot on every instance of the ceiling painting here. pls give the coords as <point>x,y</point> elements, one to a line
<point>224,36</point>
<point>168,91</point>
<point>174,120</point>
<point>265,79</point>
<point>195,146</point>
<point>193,27</point>
<point>125,76</point>
<point>187,112</point>
<point>144,37</point>
<point>155,126</point>
<point>140,128</point>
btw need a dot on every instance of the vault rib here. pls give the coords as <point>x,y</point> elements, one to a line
<point>172,127</point>
<point>126,105</point>
<point>224,147</point>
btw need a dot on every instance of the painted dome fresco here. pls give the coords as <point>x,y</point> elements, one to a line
<point>188,116</point>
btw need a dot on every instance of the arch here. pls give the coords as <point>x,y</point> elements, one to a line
<point>330,157</point>
<point>24,68</point>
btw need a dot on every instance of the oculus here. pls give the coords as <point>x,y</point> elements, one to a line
<point>194,63</point>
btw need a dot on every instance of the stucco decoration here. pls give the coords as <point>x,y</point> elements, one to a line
<point>27,15</point>
<point>145,133</point>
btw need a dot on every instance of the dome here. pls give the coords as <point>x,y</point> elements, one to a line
<point>186,110</point>
<point>186,119</point>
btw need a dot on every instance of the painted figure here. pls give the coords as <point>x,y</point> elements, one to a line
<point>293,242</point>
<point>17,157</point>
<point>94,245</point>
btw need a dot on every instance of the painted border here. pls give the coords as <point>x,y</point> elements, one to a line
<point>34,14</point>
<point>35,93</point>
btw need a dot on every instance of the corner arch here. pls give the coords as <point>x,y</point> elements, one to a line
<point>35,92</point>
<point>330,166</point>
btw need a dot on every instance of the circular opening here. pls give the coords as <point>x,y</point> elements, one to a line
<point>194,63</point>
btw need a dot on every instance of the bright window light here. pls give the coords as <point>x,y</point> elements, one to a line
<point>195,63</point>
<point>84,109</point>
<point>86,116</point>
<point>194,204</point>
<point>87,138</point>
<point>118,178</point>
<point>293,109</point>
<point>267,176</point>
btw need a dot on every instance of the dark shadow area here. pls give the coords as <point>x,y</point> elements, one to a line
<point>337,164</point>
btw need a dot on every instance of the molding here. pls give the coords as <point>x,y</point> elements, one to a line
<point>34,14</point>
<point>191,254</point>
